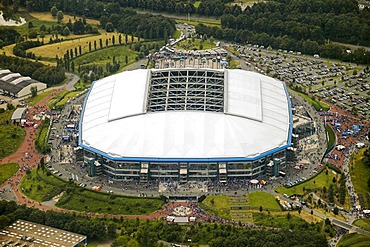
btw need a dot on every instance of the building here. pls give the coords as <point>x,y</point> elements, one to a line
<point>17,86</point>
<point>19,114</point>
<point>185,124</point>
<point>25,233</point>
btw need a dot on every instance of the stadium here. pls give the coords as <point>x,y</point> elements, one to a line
<point>188,124</point>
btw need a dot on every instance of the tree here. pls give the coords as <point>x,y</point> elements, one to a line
<point>336,210</point>
<point>66,31</point>
<point>109,27</point>
<point>60,16</point>
<point>33,91</point>
<point>54,11</point>
<point>288,216</point>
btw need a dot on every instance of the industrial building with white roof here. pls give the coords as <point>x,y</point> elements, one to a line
<point>186,124</point>
<point>16,85</point>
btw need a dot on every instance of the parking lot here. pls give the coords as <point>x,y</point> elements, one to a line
<point>346,85</point>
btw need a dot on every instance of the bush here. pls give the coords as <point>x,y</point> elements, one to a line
<point>32,35</point>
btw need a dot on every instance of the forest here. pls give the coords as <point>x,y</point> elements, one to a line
<point>147,233</point>
<point>35,70</point>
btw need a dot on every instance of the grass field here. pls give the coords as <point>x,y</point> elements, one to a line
<point>220,206</point>
<point>317,182</point>
<point>61,99</point>
<point>90,201</point>
<point>266,200</point>
<point>59,49</point>
<point>359,173</point>
<point>7,171</point>
<point>234,64</point>
<point>196,4</point>
<point>42,187</point>
<point>354,240</point>
<point>64,100</point>
<point>278,220</point>
<point>363,223</point>
<point>319,106</point>
<point>185,45</point>
<point>41,140</point>
<point>46,16</point>
<point>6,116</point>
<point>177,34</point>
<point>38,97</point>
<point>331,135</point>
<point>11,139</point>
<point>102,57</point>
<point>34,186</point>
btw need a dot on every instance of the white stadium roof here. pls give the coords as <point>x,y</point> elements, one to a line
<point>255,117</point>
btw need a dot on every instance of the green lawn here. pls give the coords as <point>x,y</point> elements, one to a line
<point>319,106</point>
<point>359,173</point>
<point>196,4</point>
<point>38,97</point>
<point>354,240</point>
<point>7,171</point>
<point>278,220</point>
<point>196,45</point>
<point>6,116</point>
<point>97,202</point>
<point>266,200</point>
<point>41,140</point>
<point>234,64</point>
<point>331,135</point>
<point>217,205</point>
<point>63,101</point>
<point>177,34</point>
<point>319,181</point>
<point>363,223</point>
<point>103,56</point>
<point>41,187</point>
<point>11,138</point>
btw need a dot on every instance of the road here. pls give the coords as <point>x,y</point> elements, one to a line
<point>71,81</point>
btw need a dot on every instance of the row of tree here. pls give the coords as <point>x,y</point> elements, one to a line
<point>328,50</point>
<point>35,70</point>
<point>147,233</point>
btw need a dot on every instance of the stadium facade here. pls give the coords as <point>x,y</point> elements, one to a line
<point>186,124</point>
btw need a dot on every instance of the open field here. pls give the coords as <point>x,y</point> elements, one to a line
<point>7,171</point>
<point>317,182</point>
<point>61,99</point>
<point>278,220</point>
<point>104,56</point>
<point>220,206</point>
<point>264,199</point>
<point>359,173</point>
<point>38,97</point>
<point>97,202</point>
<point>363,223</point>
<point>40,187</point>
<point>319,106</point>
<point>11,138</point>
<point>59,49</point>
<point>354,240</point>
<point>46,16</point>
<point>6,116</point>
